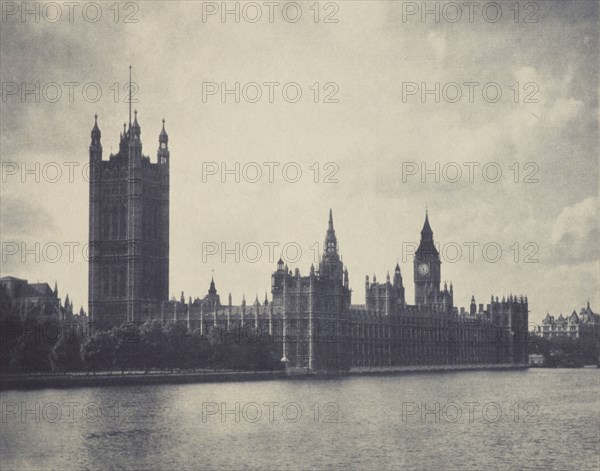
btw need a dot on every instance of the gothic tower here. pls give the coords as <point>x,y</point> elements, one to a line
<point>427,266</point>
<point>399,286</point>
<point>128,230</point>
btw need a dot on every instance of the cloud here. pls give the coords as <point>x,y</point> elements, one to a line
<point>438,43</point>
<point>574,235</point>
<point>369,134</point>
<point>563,111</point>
<point>22,218</point>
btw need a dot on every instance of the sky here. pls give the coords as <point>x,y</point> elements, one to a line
<point>515,113</point>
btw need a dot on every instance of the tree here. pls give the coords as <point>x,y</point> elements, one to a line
<point>11,329</point>
<point>153,341</point>
<point>219,351</point>
<point>197,351</point>
<point>588,349</point>
<point>128,347</point>
<point>65,353</point>
<point>31,352</point>
<point>178,343</point>
<point>98,351</point>
<point>538,345</point>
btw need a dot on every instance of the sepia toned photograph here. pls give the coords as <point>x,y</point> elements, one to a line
<point>299,235</point>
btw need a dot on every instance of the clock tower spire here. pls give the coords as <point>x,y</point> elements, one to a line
<point>427,264</point>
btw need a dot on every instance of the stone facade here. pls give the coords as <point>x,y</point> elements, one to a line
<point>310,318</point>
<point>316,327</point>
<point>21,298</point>
<point>128,229</point>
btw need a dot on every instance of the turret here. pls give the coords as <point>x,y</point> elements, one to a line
<point>95,228</point>
<point>212,298</point>
<point>96,134</point>
<point>95,145</point>
<point>135,149</point>
<point>397,276</point>
<point>124,141</point>
<point>135,130</point>
<point>277,278</point>
<point>473,306</point>
<point>163,146</point>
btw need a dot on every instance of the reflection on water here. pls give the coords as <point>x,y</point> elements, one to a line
<point>537,419</point>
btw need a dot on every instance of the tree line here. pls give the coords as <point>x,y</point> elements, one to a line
<point>47,345</point>
<point>565,352</point>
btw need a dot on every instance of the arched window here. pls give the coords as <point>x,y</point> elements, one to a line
<point>105,281</point>
<point>105,223</point>
<point>114,282</point>
<point>114,223</point>
<point>122,222</point>
<point>123,271</point>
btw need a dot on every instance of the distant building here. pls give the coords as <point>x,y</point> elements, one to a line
<point>20,298</point>
<point>536,359</point>
<point>584,324</point>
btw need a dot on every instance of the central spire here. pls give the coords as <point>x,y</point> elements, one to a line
<point>330,266</point>
<point>212,289</point>
<point>129,97</point>
<point>330,239</point>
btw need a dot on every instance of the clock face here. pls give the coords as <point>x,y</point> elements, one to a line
<point>423,269</point>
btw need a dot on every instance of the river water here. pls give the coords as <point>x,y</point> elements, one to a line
<point>537,419</point>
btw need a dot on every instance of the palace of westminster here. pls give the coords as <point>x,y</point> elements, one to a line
<point>311,318</point>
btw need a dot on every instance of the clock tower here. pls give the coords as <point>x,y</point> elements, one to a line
<point>427,267</point>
